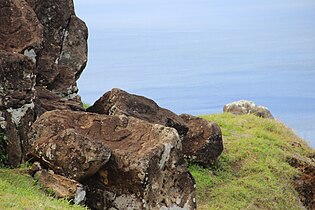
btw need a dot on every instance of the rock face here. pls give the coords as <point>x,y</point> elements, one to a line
<point>62,186</point>
<point>146,169</point>
<point>20,30</point>
<point>64,52</point>
<point>43,50</point>
<point>119,102</point>
<point>17,81</point>
<point>203,143</point>
<point>247,107</point>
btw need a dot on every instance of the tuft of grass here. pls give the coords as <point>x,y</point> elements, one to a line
<point>252,172</point>
<point>19,191</point>
<point>85,105</point>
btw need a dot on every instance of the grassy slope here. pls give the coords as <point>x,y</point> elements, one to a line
<point>19,191</point>
<point>252,172</point>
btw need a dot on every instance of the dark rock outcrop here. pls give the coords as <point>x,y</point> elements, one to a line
<point>146,169</point>
<point>17,81</point>
<point>247,107</point>
<point>203,143</point>
<point>119,102</point>
<point>64,52</point>
<point>43,50</point>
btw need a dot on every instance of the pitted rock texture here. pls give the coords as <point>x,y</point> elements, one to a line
<point>247,107</point>
<point>146,169</point>
<point>43,50</point>
<point>61,186</point>
<point>64,52</point>
<point>203,143</point>
<point>119,102</point>
<point>20,30</point>
<point>47,100</point>
<point>17,81</point>
<point>59,142</point>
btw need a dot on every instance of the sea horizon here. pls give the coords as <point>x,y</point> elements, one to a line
<point>196,56</point>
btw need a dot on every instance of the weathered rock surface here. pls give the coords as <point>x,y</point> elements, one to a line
<point>64,52</point>
<point>17,81</point>
<point>20,30</point>
<point>247,107</point>
<point>43,50</point>
<point>119,102</point>
<point>61,186</point>
<point>65,148</point>
<point>146,169</point>
<point>305,183</point>
<point>47,100</point>
<point>203,143</point>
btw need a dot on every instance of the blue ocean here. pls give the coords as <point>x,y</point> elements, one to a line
<point>194,56</point>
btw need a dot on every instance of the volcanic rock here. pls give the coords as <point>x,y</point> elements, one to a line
<point>47,100</point>
<point>59,146</point>
<point>247,107</point>
<point>119,102</point>
<point>146,169</point>
<point>17,81</point>
<point>61,186</point>
<point>43,50</point>
<point>64,53</point>
<point>203,143</point>
<point>20,30</point>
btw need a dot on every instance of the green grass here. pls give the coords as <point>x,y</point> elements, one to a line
<point>85,105</point>
<point>19,191</point>
<point>252,172</point>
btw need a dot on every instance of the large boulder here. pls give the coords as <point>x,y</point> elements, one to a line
<point>64,53</point>
<point>65,149</point>
<point>119,102</point>
<point>247,107</point>
<point>203,143</point>
<point>63,57</point>
<point>146,169</point>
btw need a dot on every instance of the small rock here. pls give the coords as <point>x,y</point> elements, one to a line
<point>203,143</point>
<point>61,186</point>
<point>247,107</point>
